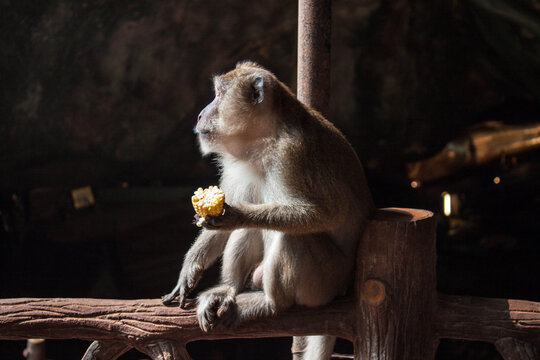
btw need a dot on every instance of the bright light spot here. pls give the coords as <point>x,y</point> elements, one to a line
<point>124,185</point>
<point>415,184</point>
<point>496,180</point>
<point>447,203</point>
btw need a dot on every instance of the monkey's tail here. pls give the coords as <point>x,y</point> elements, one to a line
<point>313,347</point>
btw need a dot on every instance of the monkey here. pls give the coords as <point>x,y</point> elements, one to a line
<point>297,202</point>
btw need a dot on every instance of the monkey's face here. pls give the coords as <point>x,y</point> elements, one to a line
<point>238,116</point>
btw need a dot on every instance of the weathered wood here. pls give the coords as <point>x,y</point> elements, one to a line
<point>342,356</point>
<point>165,350</point>
<point>512,349</point>
<point>482,144</point>
<point>139,321</point>
<point>395,287</point>
<point>105,350</point>
<point>35,349</point>
<point>484,319</point>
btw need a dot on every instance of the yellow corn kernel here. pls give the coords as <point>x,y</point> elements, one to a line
<point>208,202</point>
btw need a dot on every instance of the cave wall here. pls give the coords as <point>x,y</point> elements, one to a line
<point>101,92</point>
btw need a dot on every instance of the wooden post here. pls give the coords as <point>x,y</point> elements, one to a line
<point>35,349</point>
<point>512,349</point>
<point>105,350</point>
<point>395,287</point>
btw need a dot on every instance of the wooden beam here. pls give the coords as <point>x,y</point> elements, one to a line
<point>485,319</point>
<point>134,321</point>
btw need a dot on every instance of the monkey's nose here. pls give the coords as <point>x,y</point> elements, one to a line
<point>201,132</point>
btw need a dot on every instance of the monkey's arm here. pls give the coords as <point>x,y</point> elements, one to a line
<point>298,217</point>
<point>204,251</point>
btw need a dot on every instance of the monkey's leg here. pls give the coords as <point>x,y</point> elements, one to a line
<point>243,252</point>
<point>278,283</point>
<point>317,347</point>
<point>204,251</point>
<point>323,274</point>
<point>217,305</point>
<point>305,269</point>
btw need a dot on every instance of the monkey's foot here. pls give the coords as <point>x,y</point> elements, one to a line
<point>216,308</point>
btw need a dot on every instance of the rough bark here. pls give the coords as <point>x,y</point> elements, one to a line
<point>105,350</point>
<point>142,321</point>
<point>484,319</point>
<point>395,287</point>
<point>165,350</point>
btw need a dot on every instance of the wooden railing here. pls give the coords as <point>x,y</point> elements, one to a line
<point>395,312</point>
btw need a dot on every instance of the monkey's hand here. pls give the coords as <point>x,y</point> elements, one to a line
<point>231,219</point>
<point>188,279</point>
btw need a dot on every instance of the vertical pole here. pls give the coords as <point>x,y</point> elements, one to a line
<point>314,35</point>
<point>395,287</point>
<point>313,74</point>
<point>35,349</point>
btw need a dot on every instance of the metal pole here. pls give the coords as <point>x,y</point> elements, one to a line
<point>314,34</point>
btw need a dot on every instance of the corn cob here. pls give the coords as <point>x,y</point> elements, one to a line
<point>208,202</point>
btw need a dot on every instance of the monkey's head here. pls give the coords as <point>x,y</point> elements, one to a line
<point>240,115</point>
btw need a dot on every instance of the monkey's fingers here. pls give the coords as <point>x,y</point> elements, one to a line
<point>184,292</point>
<point>187,303</point>
<point>229,219</point>
<point>187,285</point>
<point>170,297</point>
<point>198,220</point>
<point>227,313</point>
<point>225,305</point>
<point>210,223</point>
<point>167,299</point>
<point>182,297</point>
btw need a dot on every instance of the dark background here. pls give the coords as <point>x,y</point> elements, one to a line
<point>105,94</point>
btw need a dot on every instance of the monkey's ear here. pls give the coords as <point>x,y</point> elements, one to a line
<point>257,90</point>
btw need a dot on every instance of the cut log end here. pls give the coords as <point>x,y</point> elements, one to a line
<point>393,214</point>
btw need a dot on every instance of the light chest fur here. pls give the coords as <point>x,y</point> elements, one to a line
<point>247,182</point>
<point>242,182</point>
